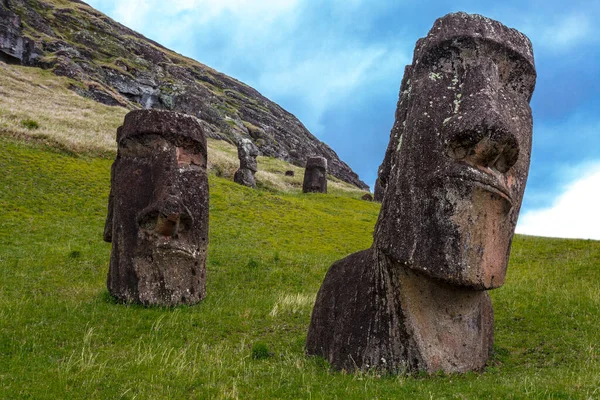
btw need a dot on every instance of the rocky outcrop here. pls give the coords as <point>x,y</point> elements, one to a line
<point>14,47</point>
<point>112,64</point>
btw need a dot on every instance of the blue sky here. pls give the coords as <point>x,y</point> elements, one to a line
<point>337,66</point>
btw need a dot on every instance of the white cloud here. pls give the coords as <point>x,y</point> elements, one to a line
<point>574,214</point>
<point>183,15</point>
<point>328,76</point>
<point>568,31</point>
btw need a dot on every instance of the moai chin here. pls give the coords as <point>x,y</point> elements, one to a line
<point>247,153</point>
<point>455,173</point>
<point>315,175</point>
<point>158,210</point>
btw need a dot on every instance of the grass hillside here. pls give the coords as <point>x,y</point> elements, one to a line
<point>36,105</point>
<point>114,65</point>
<point>62,336</point>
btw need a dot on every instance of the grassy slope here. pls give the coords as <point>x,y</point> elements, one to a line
<point>70,123</point>
<point>61,336</point>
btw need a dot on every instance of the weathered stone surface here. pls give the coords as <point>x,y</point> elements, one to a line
<point>385,169</point>
<point>245,176</point>
<point>453,179</point>
<point>147,74</point>
<point>247,153</point>
<point>373,313</point>
<point>158,210</point>
<point>315,175</point>
<point>15,48</point>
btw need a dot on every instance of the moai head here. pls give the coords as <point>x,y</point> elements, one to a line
<point>461,153</point>
<point>315,175</point>
<point>158,210</point>
<point>247,153</point>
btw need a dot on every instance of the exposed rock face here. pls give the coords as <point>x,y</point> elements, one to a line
<point>367,197</point>
<point>247,153</point>
<point>315,175</point>
<point>158,210</point>
<point>117,66</point>
<point>455,173</point>
<point>14,47</point>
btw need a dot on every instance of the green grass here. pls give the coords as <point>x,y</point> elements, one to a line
<point>61,335</point>
<point>30,123</point>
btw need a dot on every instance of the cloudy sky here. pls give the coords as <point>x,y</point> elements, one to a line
<point>337,65</point>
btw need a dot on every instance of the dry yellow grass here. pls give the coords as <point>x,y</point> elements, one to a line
<point>64,118</point>
<point>37,105</point>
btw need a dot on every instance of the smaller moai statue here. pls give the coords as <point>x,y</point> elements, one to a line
<point>158,210</point>
<point>315,175</point>
<point>247,153</point>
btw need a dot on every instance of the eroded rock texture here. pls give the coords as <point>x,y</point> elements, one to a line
<point>315,175</point>
<point>454,176</point>
<point>15,48</point>
<point>247,153</point>
<point>158,210</point>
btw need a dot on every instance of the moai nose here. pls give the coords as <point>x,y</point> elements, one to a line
<point>168,218</point>
<point>480,133</point>
<point>487,145</point>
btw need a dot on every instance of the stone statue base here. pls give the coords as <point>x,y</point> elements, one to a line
<point>245,177</point>
<point>371,313</point>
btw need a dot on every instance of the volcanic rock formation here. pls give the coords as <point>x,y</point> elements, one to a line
<point>112,64</point>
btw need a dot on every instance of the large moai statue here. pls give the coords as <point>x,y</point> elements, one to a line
<point>458,162</point>
<point>315,175</point>
<point>247,153</point>
<point>158,210</point>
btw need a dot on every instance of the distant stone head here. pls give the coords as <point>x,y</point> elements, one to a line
<point>315,175</point>
<point>247,153</point>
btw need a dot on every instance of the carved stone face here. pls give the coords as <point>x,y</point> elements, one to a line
<point>315,175</point>
<point>158,216</point>
<point>461,163</point>
<point>247,153</point>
